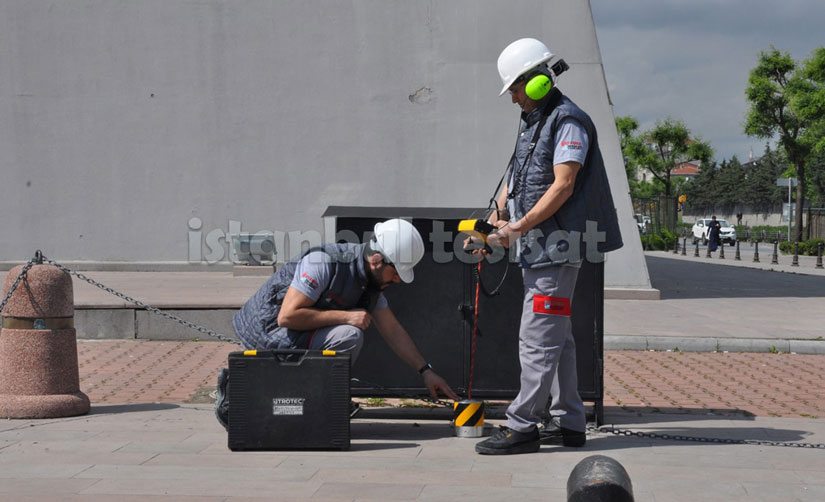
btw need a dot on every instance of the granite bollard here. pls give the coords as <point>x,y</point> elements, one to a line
<point>39,375</point>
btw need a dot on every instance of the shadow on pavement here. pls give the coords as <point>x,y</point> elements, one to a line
<point>681,279</point>
<point>651,415</point>
<point>671,422</point>
<point>111,409</point>
<point>402,431</point>
<point>715,436</point>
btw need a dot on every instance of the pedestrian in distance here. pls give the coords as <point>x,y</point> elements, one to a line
<point>714,234</point>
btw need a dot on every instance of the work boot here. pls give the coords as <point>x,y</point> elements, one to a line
<point>551,432</point>
<point>221,403</point>
<point>506,441</point>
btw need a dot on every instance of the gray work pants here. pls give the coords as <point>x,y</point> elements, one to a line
<point>340,338</point>
<point>547,351</point>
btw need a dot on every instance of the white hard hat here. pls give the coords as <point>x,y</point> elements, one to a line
<point>520,57</point>
<point>400,243</point>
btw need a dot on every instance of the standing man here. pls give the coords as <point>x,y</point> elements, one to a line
<point>556,207</point>
<point>327,298</point>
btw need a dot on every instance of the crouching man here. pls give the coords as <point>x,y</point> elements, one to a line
<point>327,298</point>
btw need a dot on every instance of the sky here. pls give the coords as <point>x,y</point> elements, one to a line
<point>690,60</point>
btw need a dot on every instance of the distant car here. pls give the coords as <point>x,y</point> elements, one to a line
<point>643,222</point>
<point>726,232</point>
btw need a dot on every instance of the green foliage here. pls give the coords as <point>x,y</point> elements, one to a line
<point>761,232</point>
<point>663,240</point>
<point>816,179</point>
<point>759,189</point>
<point>730,185</point>
<point>729,179</point>
<point>627,126</point>
<point>787,102</point>
<point>645,189</point>
<point>808,99</point>
<point>702,192</point>
<point>806,248</point>
<point>659,150</point>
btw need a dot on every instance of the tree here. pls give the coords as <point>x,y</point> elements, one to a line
<point>816,179</point>
<point>702,190</point>
<point>661,149</point>
<point>787,102</point>
<point>729,182</point>
<point>759,189</point>
<point>627,126</point>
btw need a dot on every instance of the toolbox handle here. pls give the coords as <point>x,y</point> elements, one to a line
<point>290,356</point>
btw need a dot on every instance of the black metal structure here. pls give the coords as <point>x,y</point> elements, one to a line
<point>437,311</point>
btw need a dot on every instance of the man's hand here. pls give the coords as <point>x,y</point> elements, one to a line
<point>435,383</point>
<point>359,318</point>
<point>505,236</point>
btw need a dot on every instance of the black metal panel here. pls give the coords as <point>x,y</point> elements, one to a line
<point>431,310</point>
<point>497,369</point>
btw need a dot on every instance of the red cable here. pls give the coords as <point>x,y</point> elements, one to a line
<point>475,335</point>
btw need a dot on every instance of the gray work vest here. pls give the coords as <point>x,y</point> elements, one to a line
<point>347,289</point>
<point>562,237</point>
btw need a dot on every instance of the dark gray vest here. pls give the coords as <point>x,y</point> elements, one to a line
<point>347,289</point>
<point>566,236</point>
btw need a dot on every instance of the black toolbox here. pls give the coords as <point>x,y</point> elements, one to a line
<point>288,400</point>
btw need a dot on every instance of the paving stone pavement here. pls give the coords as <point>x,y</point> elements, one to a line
<point>753,384</point>
<point>145,439</point>
<point>178,452</point>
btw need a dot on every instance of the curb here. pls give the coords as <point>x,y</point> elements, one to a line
<point>695,344</point>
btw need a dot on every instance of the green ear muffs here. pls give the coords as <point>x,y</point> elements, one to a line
<point>538,87</point>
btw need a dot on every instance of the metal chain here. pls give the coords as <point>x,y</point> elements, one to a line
<point>19,279</point>
<point>674,437</point>
<point>154,310</point>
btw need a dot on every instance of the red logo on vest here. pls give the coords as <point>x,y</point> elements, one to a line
<point>553,305</point>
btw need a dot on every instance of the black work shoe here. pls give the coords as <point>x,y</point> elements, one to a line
<point>551,432</point>
<point>221,403</point>
<point>354,408</point>
<point>506,441</point>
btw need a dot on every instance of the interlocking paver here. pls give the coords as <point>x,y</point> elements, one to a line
<point>761,384</point>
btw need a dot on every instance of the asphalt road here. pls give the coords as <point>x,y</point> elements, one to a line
<point>686,279</point>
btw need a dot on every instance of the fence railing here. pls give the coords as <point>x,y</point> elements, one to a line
<point>656,214</point>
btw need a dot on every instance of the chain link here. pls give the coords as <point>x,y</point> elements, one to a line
<point>676,437</point>
<point>154,310</point>
<point>17,281</point>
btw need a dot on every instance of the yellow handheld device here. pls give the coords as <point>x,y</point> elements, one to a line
<point>479,228</point>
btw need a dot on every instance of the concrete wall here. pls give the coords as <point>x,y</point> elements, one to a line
<point>750,217</point>
<point>132,130</point>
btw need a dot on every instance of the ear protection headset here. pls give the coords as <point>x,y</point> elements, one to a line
<point>539,82</point>
<point>538,85</point>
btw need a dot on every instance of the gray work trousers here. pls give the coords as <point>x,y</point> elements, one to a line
<point>547,351</point>
<point>340,338</point>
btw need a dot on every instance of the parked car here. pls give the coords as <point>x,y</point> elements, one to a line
<point>727,233</point>
<point>643,222</point>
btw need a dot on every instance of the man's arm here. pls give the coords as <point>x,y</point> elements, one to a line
<point>400,342</point>
<point>501,204</point>
<point>555,197</point>
<point>298,313</point>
